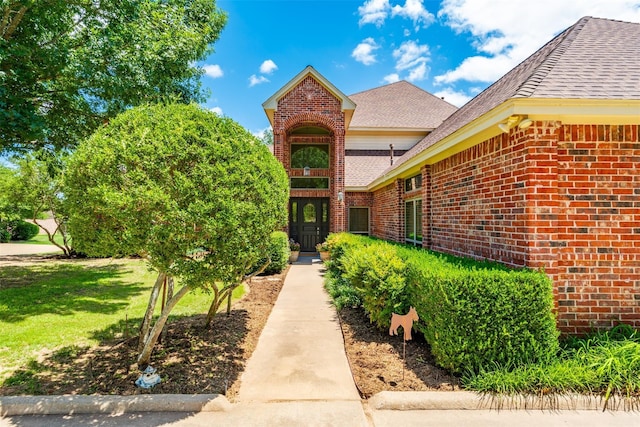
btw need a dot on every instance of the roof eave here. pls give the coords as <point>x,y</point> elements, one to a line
<point>575,111</point>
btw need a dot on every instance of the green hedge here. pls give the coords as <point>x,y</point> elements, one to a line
<point>475,315</point>
<point>19,230</point>
<point>278,252</point>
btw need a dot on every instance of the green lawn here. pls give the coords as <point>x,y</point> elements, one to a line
<point>80,302</point>
<point>39,239</point>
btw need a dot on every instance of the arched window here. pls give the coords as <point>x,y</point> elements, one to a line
<point>312,156</point>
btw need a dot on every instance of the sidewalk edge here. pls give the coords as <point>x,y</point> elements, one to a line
<point>466,400</point>
<point>103,404</point>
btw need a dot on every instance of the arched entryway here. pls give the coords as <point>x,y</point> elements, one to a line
<point>310,154</point>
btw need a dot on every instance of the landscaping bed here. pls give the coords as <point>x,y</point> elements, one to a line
<point>376,359</point>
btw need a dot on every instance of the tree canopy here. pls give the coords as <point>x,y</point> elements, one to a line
<point>67,66</point>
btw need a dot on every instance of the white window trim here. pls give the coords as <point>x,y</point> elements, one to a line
<point>406,239</point>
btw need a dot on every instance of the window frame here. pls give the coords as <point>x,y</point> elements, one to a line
<point>407,239</point>
<point>306,145</point>
<point>368,232</point>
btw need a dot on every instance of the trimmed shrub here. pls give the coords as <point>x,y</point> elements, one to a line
<point>278,252</point>
<point>5,236</point>
<point>23,230</point>
<point>377,273</point>
<point>475,315</point>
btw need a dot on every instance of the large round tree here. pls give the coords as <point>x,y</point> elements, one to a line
<point>195,194</point>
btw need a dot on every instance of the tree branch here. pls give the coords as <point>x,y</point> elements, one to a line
<point>9,25</point>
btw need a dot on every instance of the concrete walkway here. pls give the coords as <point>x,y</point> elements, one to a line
<point>17,249</point>
<point>300,356</point>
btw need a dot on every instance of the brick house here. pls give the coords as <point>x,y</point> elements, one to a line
<point>542,169</point>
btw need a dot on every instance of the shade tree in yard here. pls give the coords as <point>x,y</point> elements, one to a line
<point>193,193</point>
<point>68,66</point>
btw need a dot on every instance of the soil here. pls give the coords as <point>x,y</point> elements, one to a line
<point>194,359</point>
<point>380,362</point>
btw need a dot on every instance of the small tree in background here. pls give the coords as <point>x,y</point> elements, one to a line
<point>36,189</point>
<point>195,194</point>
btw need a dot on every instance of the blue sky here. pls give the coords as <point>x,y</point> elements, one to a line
<point>451,48</point>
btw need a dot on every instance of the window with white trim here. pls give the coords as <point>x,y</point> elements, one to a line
<point>413,221</point>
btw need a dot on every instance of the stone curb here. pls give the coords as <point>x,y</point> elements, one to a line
<point>465,400</point>
<point>101,404</point>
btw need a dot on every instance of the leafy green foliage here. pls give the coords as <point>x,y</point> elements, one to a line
<point>278,253</point>
<point>606,363</point>
<point>473,314</point>
<point>20,230</point>
<point>5,236</point>
<point>194,193</point>
<point>66,67</point>
<point>37,187</point>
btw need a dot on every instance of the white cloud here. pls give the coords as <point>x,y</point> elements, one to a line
<point>478,69</point>
<point>213,71</point>
<point>414,10</point>
<point>268,67</point>
<point>456,98</point>
<point>256,80</point>
<point>216,110</point>
<point>374,12</point>
<point>418,73</point>
<point>392,78</point>
<point>410,54</point>
<point>364,51</point>
<point>508,32</point>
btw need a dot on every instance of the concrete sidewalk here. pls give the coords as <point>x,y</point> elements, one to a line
<point>300,359</point>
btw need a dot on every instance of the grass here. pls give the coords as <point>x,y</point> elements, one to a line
<point>75,303</point>
<point>39,239</point>
<point>605,363</point>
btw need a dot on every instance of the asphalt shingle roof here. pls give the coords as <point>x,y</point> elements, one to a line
<point>593,59</point>
<point>395,106</point>
<point>363,167</point>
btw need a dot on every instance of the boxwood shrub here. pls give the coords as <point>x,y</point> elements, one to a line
<point>475,315</point>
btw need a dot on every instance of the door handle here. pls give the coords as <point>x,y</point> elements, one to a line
<point>318,231</point>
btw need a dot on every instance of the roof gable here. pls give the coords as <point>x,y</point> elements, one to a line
<point>394,106</point>
<point>271,104</point>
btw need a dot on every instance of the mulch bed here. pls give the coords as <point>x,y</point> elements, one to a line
<point>376,359</point>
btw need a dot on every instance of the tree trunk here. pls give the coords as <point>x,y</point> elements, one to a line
<point>145,354</point>
<point>213,308</point>
<point>148,315</point>
<point>169,295</point>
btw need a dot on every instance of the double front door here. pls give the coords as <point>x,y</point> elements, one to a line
<point>308,221</point>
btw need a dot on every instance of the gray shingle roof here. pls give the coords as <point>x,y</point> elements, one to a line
<point>395,106</point>
<point>593,59</point>
<point>362,167</point>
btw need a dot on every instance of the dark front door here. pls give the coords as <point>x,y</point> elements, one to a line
<point>308,221</point>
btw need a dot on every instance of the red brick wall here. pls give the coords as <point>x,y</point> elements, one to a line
<point>311,104</point>
<point>478,204</point>
<point>598,274</point>
<point>387,216</point>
